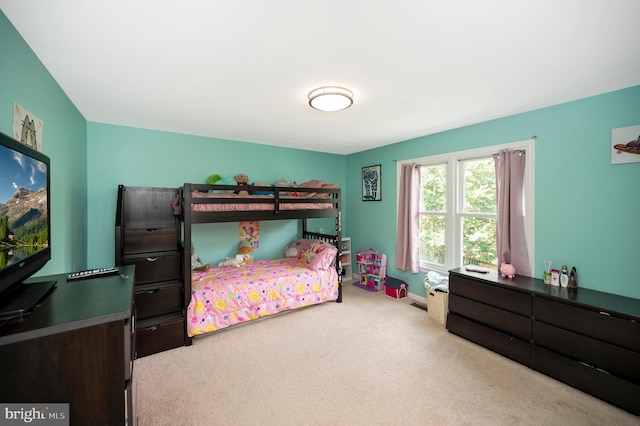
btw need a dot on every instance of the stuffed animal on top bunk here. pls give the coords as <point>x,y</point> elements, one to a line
<point>196,264</point>
<point>213,179</point>
<point>237,261</point>
<point>241,180</point>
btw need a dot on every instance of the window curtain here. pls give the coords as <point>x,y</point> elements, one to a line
<point>511,242</point>
<point>407,235</point>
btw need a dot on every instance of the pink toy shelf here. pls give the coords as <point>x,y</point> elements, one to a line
<point>372,268</point>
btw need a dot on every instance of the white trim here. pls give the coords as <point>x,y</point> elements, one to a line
<point>452,159</point>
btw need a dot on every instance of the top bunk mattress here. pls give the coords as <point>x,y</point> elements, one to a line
<point>230,202</point>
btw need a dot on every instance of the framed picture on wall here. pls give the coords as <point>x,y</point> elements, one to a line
<point>372,183</point>
<point>625,145</point>
<point>27,128</point>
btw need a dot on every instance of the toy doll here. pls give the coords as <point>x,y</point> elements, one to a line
<point>196,265</point>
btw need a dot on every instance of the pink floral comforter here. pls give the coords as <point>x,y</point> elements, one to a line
<point>225,296</point>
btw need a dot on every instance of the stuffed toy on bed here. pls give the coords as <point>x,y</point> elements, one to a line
<point>236,262</point>
<point>213,179</point>
<point>196,264</point>
<point>241,180</point>
<point>245,248</point>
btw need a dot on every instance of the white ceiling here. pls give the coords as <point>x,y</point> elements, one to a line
<point>242,69</point>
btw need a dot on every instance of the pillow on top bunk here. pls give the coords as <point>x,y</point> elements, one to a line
<point>317,184</point>
<point>318,255</point>
<point>262,192</point>
<point>311,184</point>
<point>326,194</point>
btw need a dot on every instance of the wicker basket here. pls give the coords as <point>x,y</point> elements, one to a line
<point>438,305</point>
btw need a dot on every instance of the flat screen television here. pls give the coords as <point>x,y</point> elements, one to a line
<point>25,226</point>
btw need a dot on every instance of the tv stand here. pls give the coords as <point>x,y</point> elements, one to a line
<point>24,298</point>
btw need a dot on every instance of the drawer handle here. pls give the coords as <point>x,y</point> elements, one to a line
<point>151,259</point>
<point>152,328</point>
<point>153,291</point>
<point>605,313</point>
<point>152,229</point>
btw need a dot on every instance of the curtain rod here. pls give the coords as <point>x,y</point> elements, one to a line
<point>534,137</point>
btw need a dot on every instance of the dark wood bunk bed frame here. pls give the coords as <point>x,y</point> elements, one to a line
<point>188,217</point>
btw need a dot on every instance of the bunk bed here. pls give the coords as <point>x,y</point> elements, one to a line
<point>206,311</point>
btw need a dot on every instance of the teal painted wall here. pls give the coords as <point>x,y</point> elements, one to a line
<point>139,157</point>
<point>585,206</point>
<point>24,80</point>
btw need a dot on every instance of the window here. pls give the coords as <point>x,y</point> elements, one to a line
<point>457,215</point>
<point>433,212</point>
<point>477,212</point>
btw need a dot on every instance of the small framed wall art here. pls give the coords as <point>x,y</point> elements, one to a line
<point>372,183</point>
<point>625,145</point>
<point>27,128</point>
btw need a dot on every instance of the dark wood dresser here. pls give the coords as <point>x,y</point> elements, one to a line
<point>147,235</point>
<point>75,348</point>
<point>587,339</point>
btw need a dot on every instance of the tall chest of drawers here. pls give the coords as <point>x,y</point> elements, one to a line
<point>587,339</point>
<point>147,235</point>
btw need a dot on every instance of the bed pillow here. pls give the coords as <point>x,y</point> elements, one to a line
<point>318,255</point>
<point>262,192</point>
<point>294,247</point>
<point>326,194</point>
<point>312,184</point>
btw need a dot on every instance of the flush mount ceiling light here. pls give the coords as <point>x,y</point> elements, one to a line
<point>330,98</point>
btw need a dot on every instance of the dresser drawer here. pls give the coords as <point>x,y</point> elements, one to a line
<point>152,267</point>
<point>150,240</point>
<point>508,322</point>
<point>160,337</point>
<point>516,349</point>
<point>503,298</point>
<point>613,359</point>
<point>605,386</point>
<point>596,324</point>
<point>158,299</point>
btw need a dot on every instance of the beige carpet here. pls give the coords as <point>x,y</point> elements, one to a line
<point>371,360</point>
